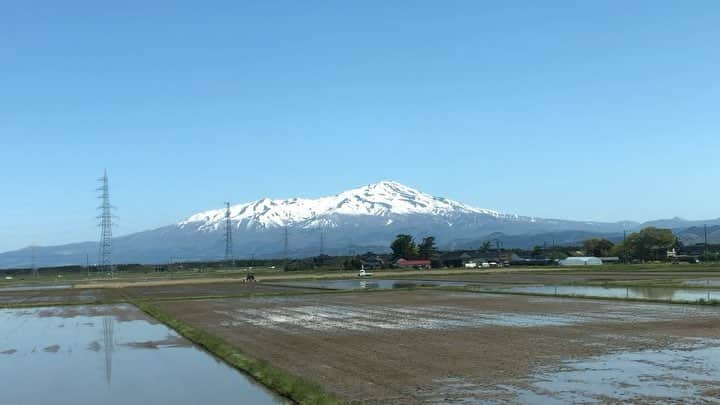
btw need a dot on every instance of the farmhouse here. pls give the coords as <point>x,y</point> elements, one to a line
<point>420,264</point>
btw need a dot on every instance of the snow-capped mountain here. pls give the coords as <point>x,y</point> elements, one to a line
<point>383,199</point>
<point>358,220</point>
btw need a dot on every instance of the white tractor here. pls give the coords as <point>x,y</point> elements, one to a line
<point>363,272</point>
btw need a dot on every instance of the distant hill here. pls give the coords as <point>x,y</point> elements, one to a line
<point>358,220</point>
<point>696,234</point>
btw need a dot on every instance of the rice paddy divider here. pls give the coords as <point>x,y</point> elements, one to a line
<point>283,383</point>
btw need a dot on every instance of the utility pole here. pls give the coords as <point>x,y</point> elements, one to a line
<point>322,242</point>
<point>706,242</point>
<point>228,234</point>
<point>33,263</point>
<point>625,246</point>
<point>285,246</point>
<point>105,217</point>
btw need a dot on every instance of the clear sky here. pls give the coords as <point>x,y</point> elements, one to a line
<point>602,110</point>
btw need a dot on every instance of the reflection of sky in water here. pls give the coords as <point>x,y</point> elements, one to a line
<point>674,374</point>
<point>657,293</point>
<point>372,284</point>
<point>35,287</point>
<point>110,355</point>
<point>703,282</point>
<point>677,374</point>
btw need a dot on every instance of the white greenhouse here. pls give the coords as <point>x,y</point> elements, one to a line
<point>581,261</point>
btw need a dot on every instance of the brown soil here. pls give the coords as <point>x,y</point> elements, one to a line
<point>104,295</point>
<point>409,346</point>
<point>205,290</point>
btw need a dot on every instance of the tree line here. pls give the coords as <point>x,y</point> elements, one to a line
<point>647,244</point>
<point>404,247</point>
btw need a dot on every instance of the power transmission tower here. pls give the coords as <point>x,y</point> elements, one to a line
<point>105,217</point>
<point>228,234</point>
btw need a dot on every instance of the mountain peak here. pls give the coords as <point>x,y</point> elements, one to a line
<point>381,199</point>
<point>385,189</point>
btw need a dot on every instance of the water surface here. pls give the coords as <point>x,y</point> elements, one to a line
<point>381,284</point>
<point>36,287</point>
<point>110,355</point>
<point>654,293</point>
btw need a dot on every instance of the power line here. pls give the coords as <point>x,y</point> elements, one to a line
<point>105,217</point>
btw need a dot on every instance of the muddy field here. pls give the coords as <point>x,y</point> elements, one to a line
<point>69,295</point>
<point>435,346</point>
<point>56,297</point>
<point>207,290</point>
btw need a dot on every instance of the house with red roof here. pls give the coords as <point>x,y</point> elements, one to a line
<point>417,264</point>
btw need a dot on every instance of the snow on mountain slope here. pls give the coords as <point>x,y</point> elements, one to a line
<point>380,199</point>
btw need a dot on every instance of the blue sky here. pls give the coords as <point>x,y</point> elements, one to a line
<point>604,110</point>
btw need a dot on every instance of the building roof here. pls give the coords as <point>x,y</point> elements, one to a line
<point>413,262</point>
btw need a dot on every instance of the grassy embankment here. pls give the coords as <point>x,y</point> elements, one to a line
<point>290,386</point>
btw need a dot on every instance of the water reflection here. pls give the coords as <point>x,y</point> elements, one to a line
<point>38,346</point>
<point>109,346</point>
<point>652,293</point>
<point>372,284</point>
<point>648,293</point>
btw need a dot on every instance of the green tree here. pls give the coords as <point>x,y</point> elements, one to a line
<point>619,251</point>
<point>427,249</point>
<point>486,246</point>
<point>404,247</point>
<point>645,244</point>
<point>599,247</point>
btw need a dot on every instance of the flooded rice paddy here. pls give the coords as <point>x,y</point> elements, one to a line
<point>438,346</point>
<point>305,314</point>
<point>648,293</point>
<point>371,284</point>
<point>422,345</point>
<point>703,283</point>
<point>112,355</point>
<point>36,287</point>
<point>682,372</point>
<point>677,373</point>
